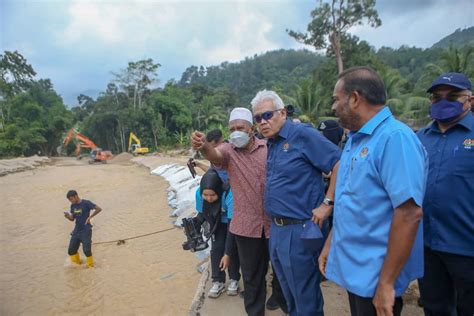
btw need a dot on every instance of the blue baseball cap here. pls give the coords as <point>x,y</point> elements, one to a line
<point>453,79</point>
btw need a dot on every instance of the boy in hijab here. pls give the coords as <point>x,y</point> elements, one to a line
<point>214,204</point>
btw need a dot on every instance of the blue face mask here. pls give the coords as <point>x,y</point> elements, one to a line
<point>445,111</point>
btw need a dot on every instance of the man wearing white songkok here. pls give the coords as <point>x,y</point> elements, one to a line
<point>244,158</point>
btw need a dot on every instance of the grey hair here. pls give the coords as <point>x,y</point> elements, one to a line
<point>265,95</point>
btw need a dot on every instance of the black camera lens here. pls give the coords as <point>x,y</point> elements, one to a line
<point>290,110</point>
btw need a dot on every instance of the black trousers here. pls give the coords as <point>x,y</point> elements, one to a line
<point>217,251</point>
<point>84,237</point>
<point>254,258</point>
<point>362,306</point>
<point>447,287</point>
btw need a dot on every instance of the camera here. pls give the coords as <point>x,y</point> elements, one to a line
<point>290,110</point>
<point>191,164</point>
<point>192,230</point>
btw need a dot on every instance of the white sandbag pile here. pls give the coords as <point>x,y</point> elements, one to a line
<point>182,190</point>
<point>181,196</point>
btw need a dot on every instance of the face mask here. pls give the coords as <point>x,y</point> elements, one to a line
<point>239,139</point>
<point>445,111</point>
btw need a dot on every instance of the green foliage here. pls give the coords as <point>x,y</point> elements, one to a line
<point>16,74</point>
<point>36,121</point>
<point>460,38</point>
<point>307,101</point>
<point>33,117</point>
<point>331,21</point>
<point>279,69</point>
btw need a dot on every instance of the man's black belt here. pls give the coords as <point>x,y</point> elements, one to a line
<point>280,221</point>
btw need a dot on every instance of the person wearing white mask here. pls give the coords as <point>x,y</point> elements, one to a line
<point>244,158</point>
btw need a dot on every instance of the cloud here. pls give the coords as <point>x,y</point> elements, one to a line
<point>79,43</point>
<point>416,23</point>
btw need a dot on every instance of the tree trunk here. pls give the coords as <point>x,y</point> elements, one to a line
<point>135,96</point>
<point>3,122</point>
<point>155,136</point>
<point>336,46</point>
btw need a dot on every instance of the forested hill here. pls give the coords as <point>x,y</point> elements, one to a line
<point>280,69</point>
<point>283,69</point>
<point>460,38</point>
<point>34,118</point>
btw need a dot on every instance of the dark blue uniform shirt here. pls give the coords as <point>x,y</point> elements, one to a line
<point>81,212</point>
<point>297,157</point>
<point>448,206</point>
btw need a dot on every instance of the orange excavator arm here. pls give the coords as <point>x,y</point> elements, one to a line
<point>87,142</point>
<point>81,141</point>
<point>69,136</point>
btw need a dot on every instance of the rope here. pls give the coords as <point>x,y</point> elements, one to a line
<point>122,241</point>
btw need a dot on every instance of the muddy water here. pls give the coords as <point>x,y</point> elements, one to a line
<point>146,276</point>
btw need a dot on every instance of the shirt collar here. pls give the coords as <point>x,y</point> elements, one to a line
<point>467,122</point>
<point>283,133</point>
<point>285,130</point>
<point>375,121</point>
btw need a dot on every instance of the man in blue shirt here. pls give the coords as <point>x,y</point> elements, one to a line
<point>80,212</point>
<point>375,247</point>
<point>294,192</point>
<point>448,284</point>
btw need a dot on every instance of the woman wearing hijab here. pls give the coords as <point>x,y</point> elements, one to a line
<point>215,203</point>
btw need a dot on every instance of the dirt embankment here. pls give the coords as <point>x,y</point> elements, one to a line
<point>8,166</point>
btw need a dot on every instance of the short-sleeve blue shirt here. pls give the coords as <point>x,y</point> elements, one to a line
<point>448,206</point>
<point>80,212</point>
<point>382,166</point>
<point>297,157</point>
<point>227,206</point>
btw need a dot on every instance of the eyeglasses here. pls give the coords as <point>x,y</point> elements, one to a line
<point>265,116</point>
<point>450,97</point>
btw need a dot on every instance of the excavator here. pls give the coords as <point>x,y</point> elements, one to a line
<point>136,149</point>
<point>96,154</point>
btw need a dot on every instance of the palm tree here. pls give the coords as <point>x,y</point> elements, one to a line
<point>394,82</point>
<point>307,100</point>
<point>210,112</point>
<point>452,60</point>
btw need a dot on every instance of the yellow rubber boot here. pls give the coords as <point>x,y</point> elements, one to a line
<point>76,258</point>
<point>90,262</point>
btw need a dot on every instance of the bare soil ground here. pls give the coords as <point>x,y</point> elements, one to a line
<point>145,276</point>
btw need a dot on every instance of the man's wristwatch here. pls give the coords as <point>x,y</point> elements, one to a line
<point>328,201</point>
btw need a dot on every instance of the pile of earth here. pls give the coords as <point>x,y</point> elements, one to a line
<point>122,158</point>
<point>8,166</point>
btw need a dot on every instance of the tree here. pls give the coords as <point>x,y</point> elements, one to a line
<point>137,78</point>
<point>331,21</point>
<point>307,101</point>
<point>451,60</point>
<point>16,74</point>
<point>37,121</point>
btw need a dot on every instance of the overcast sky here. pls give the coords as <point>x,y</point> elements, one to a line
<point>77,44</point>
